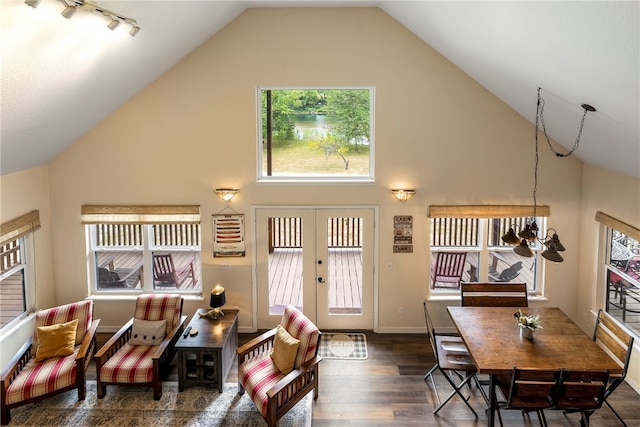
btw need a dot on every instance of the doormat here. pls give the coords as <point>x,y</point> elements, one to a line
<point>346,346</point>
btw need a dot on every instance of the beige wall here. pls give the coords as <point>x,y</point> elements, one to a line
<point>436,130</point>
<point>194,129</point>
<point>23,192</point>
<point>618,196</point>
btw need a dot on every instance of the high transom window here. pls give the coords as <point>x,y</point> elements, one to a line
<point>315,134</point>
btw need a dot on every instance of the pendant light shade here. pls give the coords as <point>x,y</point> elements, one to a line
<point>555,241</point>
<point>551,253</point>
<point>510,238</point>
<point>523,249</point>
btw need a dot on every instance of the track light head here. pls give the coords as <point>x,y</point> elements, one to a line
<point>113,24</point>
<point>134,30</point>
<point>32,3</point>
<point>69,11</point>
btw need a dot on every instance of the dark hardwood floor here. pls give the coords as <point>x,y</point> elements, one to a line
<point>388,389</point>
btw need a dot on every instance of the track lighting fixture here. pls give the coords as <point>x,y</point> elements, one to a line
<point>72,6</point>
<point>530,231</point>
<point>113,24</point>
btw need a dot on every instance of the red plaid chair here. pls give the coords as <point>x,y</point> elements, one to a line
<point>27,381</point>
<point>273,392</point>
<point>122,363</point>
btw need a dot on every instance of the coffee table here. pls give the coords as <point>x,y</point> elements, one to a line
<point>205,359</point>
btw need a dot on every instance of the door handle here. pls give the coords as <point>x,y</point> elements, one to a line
<point>321,280</point>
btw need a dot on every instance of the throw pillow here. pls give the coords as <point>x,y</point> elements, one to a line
<point>148,332</point>
<point>56,340</point>
<point>285,348</point>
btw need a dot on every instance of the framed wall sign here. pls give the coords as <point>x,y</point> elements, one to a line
<point>403,234</point>
<point>228,235</point>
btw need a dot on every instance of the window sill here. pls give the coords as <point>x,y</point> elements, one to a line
<point>134,296</point>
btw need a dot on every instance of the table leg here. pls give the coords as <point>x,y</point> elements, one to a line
<point>492,400</point>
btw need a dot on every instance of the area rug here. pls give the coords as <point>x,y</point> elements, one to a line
<point>134,406</point>
<point>348,346</point>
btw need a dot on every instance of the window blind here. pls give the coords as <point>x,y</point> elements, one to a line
<point>134,214</point>
<point>486,211</point>
<point>611,222</point>
<point>18,227</point>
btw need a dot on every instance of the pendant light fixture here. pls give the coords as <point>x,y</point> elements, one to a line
<point>530,231</point>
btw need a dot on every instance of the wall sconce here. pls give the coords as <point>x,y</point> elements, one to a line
<point>226,194</point>
<point>403,195</point>
<point>530,231</point>
<point>72,6</point>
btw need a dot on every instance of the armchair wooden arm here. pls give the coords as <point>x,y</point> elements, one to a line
<point>15,365</point>
<point>258,345</point>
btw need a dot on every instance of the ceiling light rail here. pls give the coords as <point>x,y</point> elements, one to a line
<point>72,6</point>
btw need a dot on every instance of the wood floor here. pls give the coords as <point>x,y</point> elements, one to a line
<point>388,389</point>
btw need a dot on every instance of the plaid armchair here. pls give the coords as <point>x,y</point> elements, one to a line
<point>272,391</point>
<point>28,380</point>
<point>122,361</point>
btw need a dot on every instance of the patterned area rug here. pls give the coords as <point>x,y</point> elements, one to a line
<point>348,346</point>
<point>134,406</point>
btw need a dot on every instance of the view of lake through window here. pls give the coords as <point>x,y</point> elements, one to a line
<point>316,133</point>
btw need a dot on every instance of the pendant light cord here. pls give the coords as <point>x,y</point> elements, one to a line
<point>539,114</point>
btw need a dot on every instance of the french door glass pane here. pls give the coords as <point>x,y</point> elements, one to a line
<point>285,263</point>
<point>344,243</point>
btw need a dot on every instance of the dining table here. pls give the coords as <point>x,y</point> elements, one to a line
<point>493,339</point>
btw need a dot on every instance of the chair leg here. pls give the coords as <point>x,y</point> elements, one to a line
<point>456,390</point>
<point>615,413</point>
<point>433,384</point>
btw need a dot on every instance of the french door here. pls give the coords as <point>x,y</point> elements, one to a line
<point>319,260</point>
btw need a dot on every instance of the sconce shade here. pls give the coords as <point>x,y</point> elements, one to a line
<point>511,238</point>
<point>523,249</point>
<point>218,298</point>
<point>226,194</point>
<point>403,195</point>
<point>551,253</point>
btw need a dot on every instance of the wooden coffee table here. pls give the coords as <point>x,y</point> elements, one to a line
<point>205,359</point>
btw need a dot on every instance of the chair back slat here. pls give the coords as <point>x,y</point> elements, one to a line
<point>494,294</point>
<point>614,338</point>
<point>581,390</point>
<point>532,388</point>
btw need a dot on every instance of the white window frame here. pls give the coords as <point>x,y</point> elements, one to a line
<point>261,174</point>
<point>22,229</point>
<point>146,217</point>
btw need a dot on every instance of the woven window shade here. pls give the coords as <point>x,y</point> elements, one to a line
<point>11,230</point>
<point>98,214</point>
<point>486,211</point>
<point>611,222</point>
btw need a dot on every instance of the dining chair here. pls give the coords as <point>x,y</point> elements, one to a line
<point>614,337</point>
<point>581,391</point>
<point>453,362</point>
<point>494,294</point>
<point>529,390</point>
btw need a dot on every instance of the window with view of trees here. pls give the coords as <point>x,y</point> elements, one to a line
<point>315,133</point>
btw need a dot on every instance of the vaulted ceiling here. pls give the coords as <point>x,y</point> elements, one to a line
<point>61,77</point>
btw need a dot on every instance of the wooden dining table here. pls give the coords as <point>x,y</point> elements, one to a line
<point>493,338</point>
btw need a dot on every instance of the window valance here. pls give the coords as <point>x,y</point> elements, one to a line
<point>18,227</point>
<point>611,222</point>
<point>178,214</point>
<point>486,211</point>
